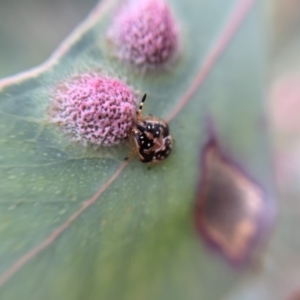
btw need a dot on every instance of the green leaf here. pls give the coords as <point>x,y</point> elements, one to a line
<point>77,223</point>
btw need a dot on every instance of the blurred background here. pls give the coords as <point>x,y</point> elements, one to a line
<point>30,30</point>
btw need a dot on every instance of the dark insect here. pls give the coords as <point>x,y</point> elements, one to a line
<point>150,137</point>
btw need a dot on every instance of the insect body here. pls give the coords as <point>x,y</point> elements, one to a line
<point>151,138</point>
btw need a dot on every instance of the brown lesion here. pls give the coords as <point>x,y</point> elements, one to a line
<point>228,207</point>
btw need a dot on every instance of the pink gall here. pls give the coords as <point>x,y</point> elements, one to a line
<point>94,110</point>
<point>144,33</point>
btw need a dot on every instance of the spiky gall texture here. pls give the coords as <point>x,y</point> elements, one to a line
<point>94,110</point>
<point>144,33</point>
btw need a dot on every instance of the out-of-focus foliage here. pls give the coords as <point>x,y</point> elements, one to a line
<point>31,29</point>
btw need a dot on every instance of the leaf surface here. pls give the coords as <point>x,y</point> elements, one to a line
<point>77,223</point>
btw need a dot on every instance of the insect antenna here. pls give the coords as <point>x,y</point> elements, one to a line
<point>139,112</point>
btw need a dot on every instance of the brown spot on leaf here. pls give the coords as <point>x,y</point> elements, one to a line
<point>229,206</point>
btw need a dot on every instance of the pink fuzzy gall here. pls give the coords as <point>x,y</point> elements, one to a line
<point>144,33</point>
<point>94,110</point>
